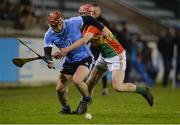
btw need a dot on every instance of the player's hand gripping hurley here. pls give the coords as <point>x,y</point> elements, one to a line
<point>21,61</point>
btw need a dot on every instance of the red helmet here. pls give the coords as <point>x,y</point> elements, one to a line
<point>54,18</point>
<point>86,8</point>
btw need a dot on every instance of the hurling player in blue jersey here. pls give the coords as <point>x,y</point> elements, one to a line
<point>63,33</point>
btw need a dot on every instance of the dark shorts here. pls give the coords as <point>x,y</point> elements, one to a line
<point>70,68</point>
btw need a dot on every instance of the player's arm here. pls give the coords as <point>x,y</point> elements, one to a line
<point>89,20</point>
<point>48,44</point>
<point>89,33</point>
<point>77,44</point>
<point>81,41</point>
<point>48,51</point>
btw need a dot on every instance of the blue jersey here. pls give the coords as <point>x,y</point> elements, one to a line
<point>71,32</point>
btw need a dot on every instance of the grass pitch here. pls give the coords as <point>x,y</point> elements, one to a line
<point>40,105</point>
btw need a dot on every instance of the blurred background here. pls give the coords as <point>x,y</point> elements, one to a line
<point>149,30</point>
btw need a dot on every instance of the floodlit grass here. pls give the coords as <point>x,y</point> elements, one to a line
<point>40,105</point>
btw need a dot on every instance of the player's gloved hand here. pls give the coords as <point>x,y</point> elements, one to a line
<point>56,55</point>
<point>64,51</point>
<point>50,65</point>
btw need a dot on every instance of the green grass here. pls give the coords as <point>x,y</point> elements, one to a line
<point>40,105</point>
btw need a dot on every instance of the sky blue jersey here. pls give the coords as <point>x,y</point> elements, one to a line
<point>71,32</point>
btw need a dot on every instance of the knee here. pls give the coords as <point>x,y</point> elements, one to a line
<point>76,80</point>
<point>60,88</point>
<point>118,87</point>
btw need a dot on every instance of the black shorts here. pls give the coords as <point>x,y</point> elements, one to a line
<point>70,68</point>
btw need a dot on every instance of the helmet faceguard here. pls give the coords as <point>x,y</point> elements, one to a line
<point>86,9</point>
<point>55,20</point>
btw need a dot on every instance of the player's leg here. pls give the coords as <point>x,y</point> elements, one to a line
<point>118,66</point>
<point>62,91</point>
<point>78,80</point>
<point>82,71</point>
<point>97,72</point>
<point>117,82</point>
<point>104,85</point>
<point>94,77</point>
<point>118,85</point>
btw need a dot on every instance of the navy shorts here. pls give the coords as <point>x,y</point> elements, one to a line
<point>70,68</point>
